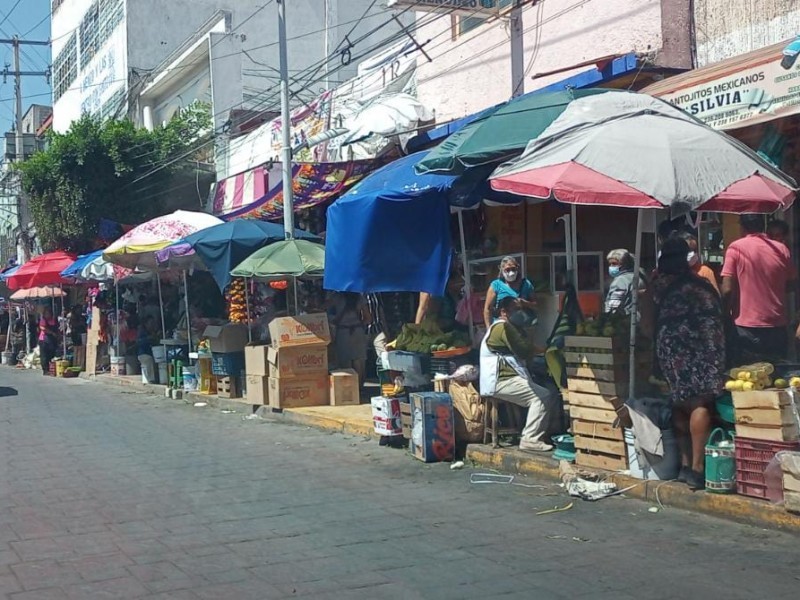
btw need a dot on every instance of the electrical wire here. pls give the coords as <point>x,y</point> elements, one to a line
<point>8,14</point>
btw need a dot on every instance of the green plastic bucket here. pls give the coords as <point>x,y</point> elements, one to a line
<point>720,463</point>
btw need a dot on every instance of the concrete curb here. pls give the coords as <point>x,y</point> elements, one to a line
<point>676,495</point>
<point>332,424</point>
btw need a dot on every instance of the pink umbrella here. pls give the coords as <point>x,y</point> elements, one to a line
<point>38,292</point>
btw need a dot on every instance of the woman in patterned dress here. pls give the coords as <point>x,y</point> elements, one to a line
<point>690,349</point>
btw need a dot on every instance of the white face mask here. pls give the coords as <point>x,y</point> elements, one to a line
<point>692,259</point>
<point>510,276</point>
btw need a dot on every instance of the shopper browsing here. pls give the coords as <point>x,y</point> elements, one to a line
<point>509,284</point>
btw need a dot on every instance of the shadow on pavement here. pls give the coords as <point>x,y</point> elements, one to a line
<point>7,391</point>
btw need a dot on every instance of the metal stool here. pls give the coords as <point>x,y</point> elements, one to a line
<point>491,420</point>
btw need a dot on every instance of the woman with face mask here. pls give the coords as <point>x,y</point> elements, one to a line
<point>509,284</point>
<point>620,292</point>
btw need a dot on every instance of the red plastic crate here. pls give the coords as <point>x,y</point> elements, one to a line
<point>752,458</point>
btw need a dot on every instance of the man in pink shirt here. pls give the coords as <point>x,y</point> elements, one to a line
<point>755,277</point>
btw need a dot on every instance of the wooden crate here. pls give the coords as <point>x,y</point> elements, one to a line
<point>229,387</point>
<point>589,429</point>
<point>763,399</point>
<point>593,386</point>
<point>784,433</point>
<point>405,419</point>
<point>600,460</point>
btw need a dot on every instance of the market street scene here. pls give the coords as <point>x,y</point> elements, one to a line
<point>399,298</point>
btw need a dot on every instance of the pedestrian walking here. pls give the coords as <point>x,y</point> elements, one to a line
<point>48,339</point>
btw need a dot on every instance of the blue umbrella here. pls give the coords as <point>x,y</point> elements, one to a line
<point>9,272</point>
<point>222,247</point>
<point>74,270</point>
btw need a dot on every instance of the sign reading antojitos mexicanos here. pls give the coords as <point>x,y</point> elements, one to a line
<point>762,91</point>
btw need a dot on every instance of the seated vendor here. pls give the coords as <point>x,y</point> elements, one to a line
<point>504,351</point>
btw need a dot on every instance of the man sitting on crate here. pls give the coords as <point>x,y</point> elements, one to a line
<point>504,352</point>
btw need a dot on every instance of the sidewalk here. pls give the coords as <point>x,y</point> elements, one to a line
<point>357,420</point>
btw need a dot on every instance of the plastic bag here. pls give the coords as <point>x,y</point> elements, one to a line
<point>773,477</point>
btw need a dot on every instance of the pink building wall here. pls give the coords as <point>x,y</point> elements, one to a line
<point>472,71</point>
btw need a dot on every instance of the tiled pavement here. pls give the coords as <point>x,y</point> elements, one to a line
<point>107,494</point>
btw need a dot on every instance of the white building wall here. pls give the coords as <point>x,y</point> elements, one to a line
<point>727,28</point>
<point>472,71</point>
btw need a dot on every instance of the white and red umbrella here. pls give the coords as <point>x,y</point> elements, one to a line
<point>636,151</point>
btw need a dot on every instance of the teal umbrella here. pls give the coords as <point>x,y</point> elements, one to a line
<point>500,133</point>
<point>289,258</point>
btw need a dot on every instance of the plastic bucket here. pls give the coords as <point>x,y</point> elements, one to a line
<point>720,463</point>
<point>117,365</point>
<point>189,380</point>
<point>162,373</point>
<point>132,365</point>
<point>647,466</point>
<point>148,366</point>
<point>6,358</point>
<point>160,354</point>
<point>61,366</point>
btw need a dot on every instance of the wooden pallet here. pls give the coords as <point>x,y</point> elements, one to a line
<point>405,419</point>
<point>600,460</point>
<point>589,429</point>
<point>601,388</point>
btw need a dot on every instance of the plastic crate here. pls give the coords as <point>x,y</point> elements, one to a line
<point>227,363</point>
<point>449,365</point>
<point>752,458</point>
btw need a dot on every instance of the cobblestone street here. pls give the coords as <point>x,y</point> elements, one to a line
<point>107,494</point>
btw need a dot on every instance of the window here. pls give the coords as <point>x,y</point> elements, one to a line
<point>97,25</point>
<point>114,105</point>
<point>465,24</point>
<point>55,5</point>
<point>65,67</point>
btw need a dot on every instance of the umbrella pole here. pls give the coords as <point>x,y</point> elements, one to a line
<point>161,309</point>
<point>467,277</point>
<point>64,329</point>
<point>635,304</point>
<point>116,302</point>
<point>247,307</point>
<point>296,307</point>
<point>574,233</point>
<point>188,315</point>
<point>10,321</point>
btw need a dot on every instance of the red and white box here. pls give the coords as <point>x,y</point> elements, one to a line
<point>386,416</point>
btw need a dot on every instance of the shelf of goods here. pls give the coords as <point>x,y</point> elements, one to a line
<point>597,385</point>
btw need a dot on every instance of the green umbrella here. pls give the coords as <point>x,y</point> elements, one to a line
<point>499,133</point>
<point>289,258</point>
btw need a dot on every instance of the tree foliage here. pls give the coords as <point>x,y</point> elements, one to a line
<point>105,169</point>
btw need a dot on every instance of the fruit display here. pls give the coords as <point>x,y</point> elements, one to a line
<point>237,302</point>
<point>427,337</point>
<point>756,377</point>
<point>606,325</point>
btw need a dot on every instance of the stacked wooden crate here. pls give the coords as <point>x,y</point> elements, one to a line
<point>766,415</point>
<point>597,387</point>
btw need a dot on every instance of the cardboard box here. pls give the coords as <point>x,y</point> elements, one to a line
<point>256,360</point>
<point>345,389</point>
<point>257,389</point>
<point>300,330</point>
<point>226,338</point>
<point>386,418</point>
<point>298,392</point>
<point>298,361</point>
<point>432,427</point>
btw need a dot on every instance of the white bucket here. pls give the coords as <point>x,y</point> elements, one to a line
<point>162,373</point>
<point>148,368</point>
<point>189,380</point>
<point>159,354</point>
<point>6,358</point>
<point>647,466</point>
<point>117,365</point>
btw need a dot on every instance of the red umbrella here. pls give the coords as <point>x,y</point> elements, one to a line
<point>44,269</point>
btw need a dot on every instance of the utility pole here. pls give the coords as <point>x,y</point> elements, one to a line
<point>517,50</point>
<point>19,138</point>
<point>286,124</point>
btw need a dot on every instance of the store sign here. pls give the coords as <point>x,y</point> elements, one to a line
<point>759,93</point>
<point>466,7</point>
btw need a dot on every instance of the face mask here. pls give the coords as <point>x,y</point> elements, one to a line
<point>510,276</point>
<point>613,270</point>
<point>692,259</point>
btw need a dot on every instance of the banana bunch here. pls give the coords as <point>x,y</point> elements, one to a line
<point>390,390</point>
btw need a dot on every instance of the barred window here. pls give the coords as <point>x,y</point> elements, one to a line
<point>114,106</point>
<point>466,24</point>
<point>89,39</point>
<point>55,5</point>
<point>65,67</point>
<point>97,25</point>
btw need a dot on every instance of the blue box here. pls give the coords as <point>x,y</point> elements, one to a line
<point>432,427</point>
<point>230,364</point>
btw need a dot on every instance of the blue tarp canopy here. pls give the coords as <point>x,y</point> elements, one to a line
<point>74,270</point>
<point>391,232</point>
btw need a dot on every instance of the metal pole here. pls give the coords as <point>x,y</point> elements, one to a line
<point>20,145</point>
<point>467,276</point>
<point>161,308</point>
<point>517,52</point>
<point>286,124</point>
<point>574,233</point>
<point>247,306</point>
<point>635,304</point>
<point>296,307</point>
<point>116,302</point>
<point>64,330</point>
<point>188,314</point>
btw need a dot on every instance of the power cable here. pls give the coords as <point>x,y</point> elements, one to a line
<point>8,14</point>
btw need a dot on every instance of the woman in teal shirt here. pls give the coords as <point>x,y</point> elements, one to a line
<point>509,284</point>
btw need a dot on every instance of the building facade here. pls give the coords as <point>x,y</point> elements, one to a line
<point>106,52</point>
